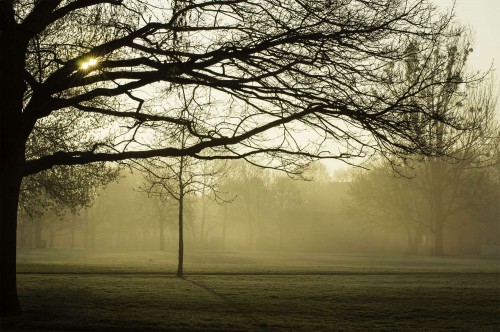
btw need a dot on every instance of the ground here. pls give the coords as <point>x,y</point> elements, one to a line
<point>68,290</point>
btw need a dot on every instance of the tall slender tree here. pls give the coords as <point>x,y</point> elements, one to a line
<point>434,193</point>
<point>172,180</point>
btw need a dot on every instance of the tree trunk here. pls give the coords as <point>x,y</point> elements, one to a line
<point>10,186</point>
<point>438,222</point>
<point>202,228</point>
<point>250,235</point>
<point>38,232</point>
<point>180,266</point>
<point>73,231</point>
<point>162,235</point>
<point>51,240</point>
<point>86,240</point>
<point>12,161</point>
<point>92,235</point>
<point>438,239</point>
<point>224,227</point>
<point>281,223</point>
<point>180,263</point>
<point>13,135</point>
<point>89,230</point>
<point>413,241</point>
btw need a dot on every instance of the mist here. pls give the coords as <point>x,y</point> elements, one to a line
<point>173,165</point>
<point>262,210</point>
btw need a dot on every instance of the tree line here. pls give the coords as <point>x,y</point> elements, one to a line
<point>356,211</point>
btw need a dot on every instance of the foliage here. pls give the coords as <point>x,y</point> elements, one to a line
<point>63,189</point>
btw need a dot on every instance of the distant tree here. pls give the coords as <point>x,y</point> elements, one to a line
<point>381,199</point>
<point>264,70</point>
<point>211,194</point>
<point>443,102</point>
<point>124,208</point>
<point>162,215</point>
<point>61,191</point>
<point>429,194</point>
<point>251,187</point>
<point>228,188</point>
<point>316,199</point>
<point>440,176</point>
<point>286,198</point>
<point>444,179</point>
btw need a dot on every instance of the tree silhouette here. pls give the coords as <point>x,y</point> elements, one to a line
<point>434,194</point>
<point>264,72</point>
<point>172,180</point>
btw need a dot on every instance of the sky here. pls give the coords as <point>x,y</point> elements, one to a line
<point>482,17</point>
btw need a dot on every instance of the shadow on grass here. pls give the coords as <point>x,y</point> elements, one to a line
<point>236,308</point>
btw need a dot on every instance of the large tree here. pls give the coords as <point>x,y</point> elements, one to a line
<point>263,70</point>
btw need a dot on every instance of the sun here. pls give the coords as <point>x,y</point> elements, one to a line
<point>91,62</point>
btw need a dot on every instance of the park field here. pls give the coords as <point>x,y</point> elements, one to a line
<point>78,290</point>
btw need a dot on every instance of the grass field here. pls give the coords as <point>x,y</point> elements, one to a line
<point>76,290</point>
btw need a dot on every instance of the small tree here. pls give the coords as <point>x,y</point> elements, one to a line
<point>171,180</point>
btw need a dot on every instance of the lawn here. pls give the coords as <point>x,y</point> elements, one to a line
<point>71,290</point>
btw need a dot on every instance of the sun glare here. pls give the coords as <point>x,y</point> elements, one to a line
<point>89,63</point>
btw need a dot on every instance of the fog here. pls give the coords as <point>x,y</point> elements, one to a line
<point>253,209</point>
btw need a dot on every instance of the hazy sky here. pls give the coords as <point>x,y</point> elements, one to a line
<point>482,16</point>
